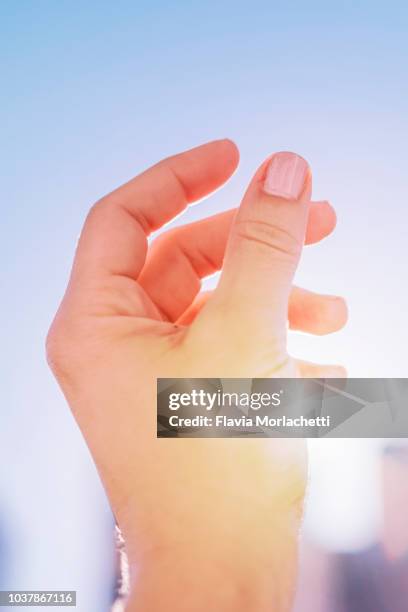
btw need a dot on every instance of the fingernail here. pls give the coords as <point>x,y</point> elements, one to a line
<point>286,176</point>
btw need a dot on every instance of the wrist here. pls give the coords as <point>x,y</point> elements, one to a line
<point>187,584</point>
<point>219,575</point>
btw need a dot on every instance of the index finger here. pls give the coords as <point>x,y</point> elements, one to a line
<point>114,237</point>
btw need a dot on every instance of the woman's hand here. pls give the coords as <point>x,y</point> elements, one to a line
<point>209,524</point>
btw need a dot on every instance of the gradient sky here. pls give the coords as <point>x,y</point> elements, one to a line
<point>94,92</point>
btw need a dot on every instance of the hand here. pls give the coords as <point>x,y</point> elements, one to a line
<point>208,523</point>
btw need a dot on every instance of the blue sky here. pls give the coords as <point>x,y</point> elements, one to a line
<point>94,92</point>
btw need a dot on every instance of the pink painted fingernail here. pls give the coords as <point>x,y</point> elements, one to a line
<point>286,176</point>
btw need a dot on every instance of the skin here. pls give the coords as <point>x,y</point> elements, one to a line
<point>208,523</point>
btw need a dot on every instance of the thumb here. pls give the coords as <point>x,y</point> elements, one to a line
<point>265,245</point>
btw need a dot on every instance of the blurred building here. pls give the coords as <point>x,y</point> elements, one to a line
<point>375,578</point>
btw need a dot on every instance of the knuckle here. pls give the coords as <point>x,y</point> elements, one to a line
<point>57,350</point>
<point>99,209</point>
<point>268,236</point>
<point>65,349</point>
<point>166,241</point>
